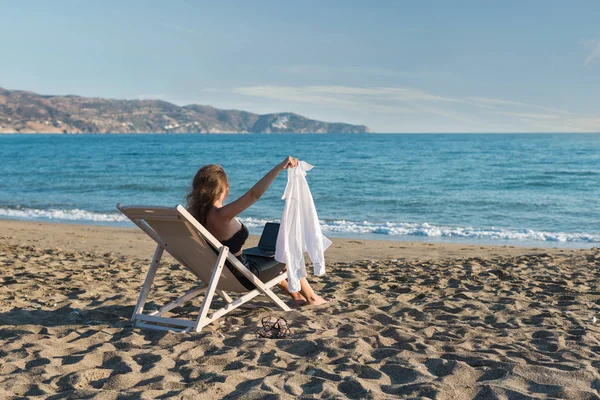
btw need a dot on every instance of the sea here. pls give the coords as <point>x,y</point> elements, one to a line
<point>504,189</point>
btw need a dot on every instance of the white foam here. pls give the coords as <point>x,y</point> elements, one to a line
<point>256,223</point>
<point>340,226</point>
<point>62,215</point>
<point>427,230</point>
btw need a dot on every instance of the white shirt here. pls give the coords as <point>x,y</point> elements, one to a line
<point>300,231</point>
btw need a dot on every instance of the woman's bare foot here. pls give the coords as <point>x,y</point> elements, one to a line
<point>298,299</point>
<point>318,300</point>
<point>306,296</point>
<point>299,303</point>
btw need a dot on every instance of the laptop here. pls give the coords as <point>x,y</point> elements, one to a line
<point>267,242</point>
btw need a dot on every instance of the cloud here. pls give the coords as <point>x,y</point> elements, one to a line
<point>215,90</point>
<point>554,122</point>
<point>151,96</point>
<point>577,123</point>
<point>313,71</point>
<point>341,94</point>
<point>348,98</point>
<point>448,114</point>
<point>594,53</point>
<point>539,117</point>
<point>473,113</point>
<point>393,93</point>
<point>291,93</point>
<point>392,101</point>
<point>495,103</point>
<point>529,116</point>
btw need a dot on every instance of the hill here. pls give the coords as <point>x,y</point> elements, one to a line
<point>28,112</point>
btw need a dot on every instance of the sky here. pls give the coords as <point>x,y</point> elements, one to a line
<point>395,66</point>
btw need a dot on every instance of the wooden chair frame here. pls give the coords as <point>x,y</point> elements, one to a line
<point>145,217</point>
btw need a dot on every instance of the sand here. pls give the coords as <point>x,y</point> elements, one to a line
<point>133,242</point>
<point>409,320</point>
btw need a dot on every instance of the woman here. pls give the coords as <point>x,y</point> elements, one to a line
<point>205,202</point>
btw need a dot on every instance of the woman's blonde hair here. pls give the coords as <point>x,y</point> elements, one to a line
<point>208,186</point>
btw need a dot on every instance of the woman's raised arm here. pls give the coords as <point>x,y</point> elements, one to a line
<point>233,209</point>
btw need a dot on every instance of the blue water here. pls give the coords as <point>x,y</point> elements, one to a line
<point>504,189</point>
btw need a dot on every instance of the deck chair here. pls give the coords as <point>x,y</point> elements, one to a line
<point>178,233</point>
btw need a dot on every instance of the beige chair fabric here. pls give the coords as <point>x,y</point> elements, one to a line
<point>178,233</point>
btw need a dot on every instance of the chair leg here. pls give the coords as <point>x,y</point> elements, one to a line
<point>212,287</point>
<point>224,295</point>
<point>190,294</point>
<point>266,290</point>
<point>139,307</point>
<point>274,298</point>
<point>241,300</point>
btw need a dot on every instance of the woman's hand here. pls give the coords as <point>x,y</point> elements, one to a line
<point>289,162</point>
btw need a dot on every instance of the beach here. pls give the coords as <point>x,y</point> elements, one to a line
<point>449,150</point>
<point>409,319</point>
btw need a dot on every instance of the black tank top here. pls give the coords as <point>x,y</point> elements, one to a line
<point>238,239</point>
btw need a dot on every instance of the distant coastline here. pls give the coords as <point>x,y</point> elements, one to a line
<point>29,113</point>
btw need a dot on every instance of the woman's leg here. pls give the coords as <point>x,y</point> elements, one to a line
<point>299,300</point>
<point>311,297</point>
<point>267,269</point>
<point>306,295</point>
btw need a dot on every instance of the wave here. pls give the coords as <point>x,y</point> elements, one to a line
<point>427,230</point>
<point>436,231</point>
<point>339,226</point>
<point>62,215</point>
